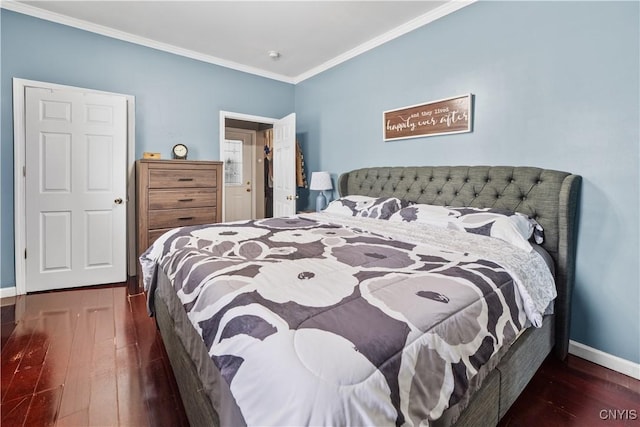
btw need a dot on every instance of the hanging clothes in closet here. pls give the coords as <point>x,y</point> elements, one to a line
<point>301,177</point>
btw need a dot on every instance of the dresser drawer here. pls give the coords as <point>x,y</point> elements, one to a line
<point>181,178</point>
<point>176,199</point>
<point>169,218</point>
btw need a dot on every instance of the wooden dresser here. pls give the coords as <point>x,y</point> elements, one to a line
<point>174,193</point>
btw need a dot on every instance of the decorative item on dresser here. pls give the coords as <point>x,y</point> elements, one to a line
<point>173,193</point>
<point>320,181</point>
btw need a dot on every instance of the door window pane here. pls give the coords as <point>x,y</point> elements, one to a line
<point>233,161</point>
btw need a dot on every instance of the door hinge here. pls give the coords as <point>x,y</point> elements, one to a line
<point>25,254</point>
<point>24,171</point>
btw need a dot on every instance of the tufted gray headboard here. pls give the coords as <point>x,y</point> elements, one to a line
<point>551,197</point>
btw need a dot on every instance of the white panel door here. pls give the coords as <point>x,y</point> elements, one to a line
<point>75,182</point>
<point>238,180</point>
<point>284,166</point>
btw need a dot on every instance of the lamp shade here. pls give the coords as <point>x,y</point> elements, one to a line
<point>320,181</point>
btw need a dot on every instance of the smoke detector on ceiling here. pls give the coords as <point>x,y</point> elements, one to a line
<point>274,54</point>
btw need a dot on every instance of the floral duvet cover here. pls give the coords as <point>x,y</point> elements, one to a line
<point>320,319</point>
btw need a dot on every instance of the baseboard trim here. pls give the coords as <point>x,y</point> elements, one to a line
<point>8,292</point>
<point>607,360</point>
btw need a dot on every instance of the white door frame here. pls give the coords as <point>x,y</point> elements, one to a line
<point>19,161</point>
<point>238,116</point>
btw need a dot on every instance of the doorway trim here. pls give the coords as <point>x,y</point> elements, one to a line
<point>238,116</point>
<point>19,162</point>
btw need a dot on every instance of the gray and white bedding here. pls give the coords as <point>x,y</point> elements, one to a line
<point>323,319</point>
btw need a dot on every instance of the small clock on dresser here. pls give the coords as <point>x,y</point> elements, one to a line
<point>179,152</point>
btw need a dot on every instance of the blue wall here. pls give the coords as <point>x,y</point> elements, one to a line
<point>177,99</point>
<point>556,85</point>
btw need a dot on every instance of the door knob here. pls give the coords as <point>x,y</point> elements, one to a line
<point>248,190</point>
<point>118,201</point>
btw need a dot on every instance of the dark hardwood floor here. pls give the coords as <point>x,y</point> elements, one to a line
<point>576,392</point>
<point>85,357</point>
<point>92,356</point>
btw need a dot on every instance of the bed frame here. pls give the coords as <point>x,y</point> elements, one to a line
<point>551,197</point>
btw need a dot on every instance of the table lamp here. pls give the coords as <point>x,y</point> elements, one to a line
<point>320,181</point>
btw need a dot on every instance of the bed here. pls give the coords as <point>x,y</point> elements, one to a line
<point>208,371</point>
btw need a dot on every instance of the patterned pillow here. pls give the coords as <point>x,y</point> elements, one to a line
<point>424,214</point>
<point>365,206</point>
<point>512,227</point>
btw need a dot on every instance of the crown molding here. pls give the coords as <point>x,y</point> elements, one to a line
<point>415,23</point>
<point>131,38</point>
<point>418,22</point>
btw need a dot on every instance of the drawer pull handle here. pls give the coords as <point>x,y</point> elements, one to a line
<point>185,200</point>
<point>185,218</point>
<point>185,179</point>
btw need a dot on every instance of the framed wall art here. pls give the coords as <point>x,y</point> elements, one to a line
<point>445,116</point>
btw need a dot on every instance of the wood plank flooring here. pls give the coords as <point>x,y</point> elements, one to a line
<point>576,393</point>
<point>85,357</point>
<point>92,357</point>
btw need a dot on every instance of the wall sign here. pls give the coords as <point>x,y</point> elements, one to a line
<point>451,115</point>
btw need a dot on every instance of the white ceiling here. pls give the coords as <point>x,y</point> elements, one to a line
<point>310,36</point>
